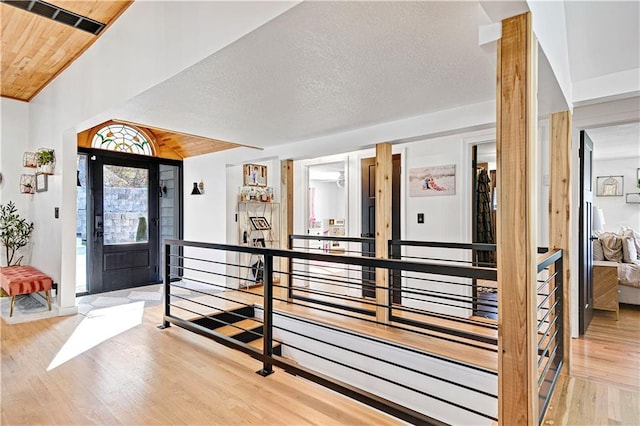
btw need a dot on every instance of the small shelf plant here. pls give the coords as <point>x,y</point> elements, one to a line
<point>46,161</point>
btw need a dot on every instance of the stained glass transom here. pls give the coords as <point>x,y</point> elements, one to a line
<point>122,138</point>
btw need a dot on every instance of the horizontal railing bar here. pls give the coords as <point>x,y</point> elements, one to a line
<point>395,383</point>
<point>344,314</point>
<point>438,302</point>
<point>547,281</point>
<point>375,401</point>
<point>444,316</point>
<point>546,368</point>
<point>324,250</point>
<point>216,294</point>
<point>549,310</point>
<point>389,343</point>
<point>363,311</point>
<point>439,244</point>
<point>395,364</point>
<point>549,328</point>
<point>550,258</point>
<point>551,293</point>
<point>332,238</point>
<point>546,349</point>
<point>391,264</point>
<point>547,399</point>
<point>412,277</point>
<point>447,330</point>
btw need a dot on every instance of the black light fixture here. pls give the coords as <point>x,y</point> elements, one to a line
<point>78,178</point>
<point>195,190</point>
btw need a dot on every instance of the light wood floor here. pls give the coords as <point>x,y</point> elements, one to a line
<point>604,386</point>
<point>148,376</point>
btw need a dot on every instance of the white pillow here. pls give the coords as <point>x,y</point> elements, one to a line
<point>630,233</point>
<point>598,253</point>
<point>629,252</point>
<point>612,247</point>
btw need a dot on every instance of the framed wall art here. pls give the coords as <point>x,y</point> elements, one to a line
<point>260,223</point>
<point>609,186</point>
<point>254,175</point>
<point>432,181</point>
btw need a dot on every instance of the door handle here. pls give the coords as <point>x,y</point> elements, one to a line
<point>366,235</point>
<point>99,234</point>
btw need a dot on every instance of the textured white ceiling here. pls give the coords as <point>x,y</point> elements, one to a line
<point>603,37</point>
<point>621,141</point>
<point>325,67</point>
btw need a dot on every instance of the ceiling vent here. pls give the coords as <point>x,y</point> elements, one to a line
<point>58,14</point>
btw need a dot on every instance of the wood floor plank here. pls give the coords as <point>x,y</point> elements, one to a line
<point>147,376</point>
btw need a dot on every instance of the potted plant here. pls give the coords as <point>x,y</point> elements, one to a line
<point>46,161</point>
<point>14,232</point>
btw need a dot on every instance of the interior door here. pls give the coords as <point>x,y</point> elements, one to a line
<point>368,177</point>
<point>585,294</point>
<point>124,249</point>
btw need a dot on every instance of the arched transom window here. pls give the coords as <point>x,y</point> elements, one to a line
<point>122,138</point>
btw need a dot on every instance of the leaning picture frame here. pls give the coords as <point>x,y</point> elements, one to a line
<point>259,223</point>
<point>254,175</point>
<point>42,184</point>
<point>609,186</point>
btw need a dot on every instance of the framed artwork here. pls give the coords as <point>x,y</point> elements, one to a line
<point>609,186</point>
<point>432,181</point>
<point>259,223</point>
<point>254,175</point>
<point>29,159</point>
<point>41,182</point>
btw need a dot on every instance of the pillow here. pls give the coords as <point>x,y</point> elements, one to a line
<point>629,252</point>
<point>612,247</point>
<point>598,253</point>
<point>630,233</point>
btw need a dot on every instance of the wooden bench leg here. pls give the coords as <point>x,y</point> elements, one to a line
<point>48,299</point>
<point>13,302</point>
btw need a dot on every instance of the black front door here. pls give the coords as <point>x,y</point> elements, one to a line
<point>123,223</point>
<point>368,176</point>
<point>585,247</point>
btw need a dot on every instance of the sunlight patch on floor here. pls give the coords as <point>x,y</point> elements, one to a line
<point>99,326</point>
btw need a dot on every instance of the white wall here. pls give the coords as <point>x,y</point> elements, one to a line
<point>616,211</point>
<point>14,136</point>
<point>85,92</point>
<point>329,200</point>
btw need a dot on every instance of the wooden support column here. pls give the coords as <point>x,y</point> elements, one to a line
<point>286,224</point>
<point>384,214</point>
<point>559,214</point>
<point>517,122</point>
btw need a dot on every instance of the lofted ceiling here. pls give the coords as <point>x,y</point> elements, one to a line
<point>619,141</point>
<point>168,144</point>
<point>36,49</point>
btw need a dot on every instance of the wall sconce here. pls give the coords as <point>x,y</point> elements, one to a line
<point>198,188</point>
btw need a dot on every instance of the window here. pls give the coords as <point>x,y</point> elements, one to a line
<point>122,138</point>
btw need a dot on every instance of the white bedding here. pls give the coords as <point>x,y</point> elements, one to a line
<point>629,274</point>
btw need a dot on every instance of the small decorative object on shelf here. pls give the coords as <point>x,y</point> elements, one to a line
<point>27,184</point>
<point>46,161</point>
<point>41,182</point>
<point>633,198</point>
<point>252,193</point>
<point>29,159</point>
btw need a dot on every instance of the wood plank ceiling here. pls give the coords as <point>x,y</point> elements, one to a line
<point>167,143</point>
<point>36,49</point>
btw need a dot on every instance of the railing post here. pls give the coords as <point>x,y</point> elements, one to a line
<point>289,271</point>
<point>267,321</point>
<point>559,270</point>
<point>167,287</point>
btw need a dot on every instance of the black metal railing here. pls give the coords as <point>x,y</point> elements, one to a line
<point>550,330</point>
<point>421,371</point>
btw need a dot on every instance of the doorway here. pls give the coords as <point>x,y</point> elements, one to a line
<point>368,178</point>
<point>127,204</point>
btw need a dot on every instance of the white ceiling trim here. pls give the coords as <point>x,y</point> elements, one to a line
<point>619,85</point>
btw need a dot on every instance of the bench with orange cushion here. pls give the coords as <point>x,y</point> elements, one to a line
<point>17,280</point>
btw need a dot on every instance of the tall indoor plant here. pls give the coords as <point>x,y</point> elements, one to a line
<point>14,232</point>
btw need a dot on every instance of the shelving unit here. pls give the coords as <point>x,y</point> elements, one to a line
<point>252,216</point>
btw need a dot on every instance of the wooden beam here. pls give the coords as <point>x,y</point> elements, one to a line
<point>286,223</point>
<point>384,214</point>
<point>517,220</point>
<point>559,214</point>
